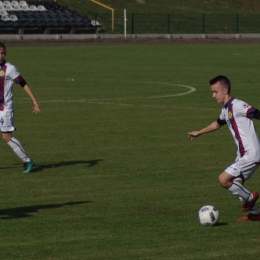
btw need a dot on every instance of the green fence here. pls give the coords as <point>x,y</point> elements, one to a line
<point>182,23</point>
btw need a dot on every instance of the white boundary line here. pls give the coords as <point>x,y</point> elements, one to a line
<point>100,101</point>
<point>190,90</point>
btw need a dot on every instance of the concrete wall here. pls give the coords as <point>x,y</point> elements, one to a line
<point>21,37</point>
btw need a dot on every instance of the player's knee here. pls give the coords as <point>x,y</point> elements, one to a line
<point>6,138</point>
<point>221,180</point>
<point>224,181</point>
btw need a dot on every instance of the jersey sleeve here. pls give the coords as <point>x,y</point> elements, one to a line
<point>251,112</point>
<point>221,119</point>
<point>243,109</point>
<point>16,76</point>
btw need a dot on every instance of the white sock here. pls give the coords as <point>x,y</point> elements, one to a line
<point>18,149</point>
<point>240,191</point>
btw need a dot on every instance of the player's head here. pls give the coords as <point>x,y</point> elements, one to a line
<point>223,82</point>
<point>2,52</point>
<point>220,87</point>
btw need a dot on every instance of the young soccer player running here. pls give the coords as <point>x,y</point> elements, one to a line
<point>238,116</point>
<point>8,75</point>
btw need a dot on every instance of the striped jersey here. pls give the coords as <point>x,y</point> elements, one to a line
<point>238,116</point>
<point>8,75</point>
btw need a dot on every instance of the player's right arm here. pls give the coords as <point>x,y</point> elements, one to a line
<point>210,128</point>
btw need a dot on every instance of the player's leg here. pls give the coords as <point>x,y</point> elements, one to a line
<point>235,186</point>
<point>16,146</point>
<point>19,151</point>
<point>7,127</point>
<point>233,179</point>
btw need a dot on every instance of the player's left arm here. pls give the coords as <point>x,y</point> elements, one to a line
<point>244,109</point>
<point>253,112</point>
<point>18,79</point>
<point>36,107</point>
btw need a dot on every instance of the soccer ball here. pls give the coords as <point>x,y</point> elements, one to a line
<point>208,216</point>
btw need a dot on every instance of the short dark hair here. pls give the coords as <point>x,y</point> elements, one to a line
<point>224,81</point>
<point>2,45</point>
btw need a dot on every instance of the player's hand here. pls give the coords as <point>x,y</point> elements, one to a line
<point>193,134</point>
<point>36,109</point>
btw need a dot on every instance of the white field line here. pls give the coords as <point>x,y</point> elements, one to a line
<point>101,101</point>
<point>123,104</point>
<point>190,90</point>
<point>142,105</point>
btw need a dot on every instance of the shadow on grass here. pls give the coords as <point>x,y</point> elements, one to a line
<point>221,224</point>
<point>25,212</point>
<point>40,167</point>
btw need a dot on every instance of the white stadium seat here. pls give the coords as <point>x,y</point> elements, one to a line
<point>17,8</point>
<point>9,8</point>
<point>41,8</point>
<point>3,12</point>
<point>5,18</point>
<point>23,3</point>
<point>95,23</point>
<point>7,3</point>
<point>25,8</point>
<point>14,3</point>
<point>13,18</point>
<point>33,8</point>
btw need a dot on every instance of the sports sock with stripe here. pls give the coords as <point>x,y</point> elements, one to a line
<point>18,149</point>
<point>239,190</point>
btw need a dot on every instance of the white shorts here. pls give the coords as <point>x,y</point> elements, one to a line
<point>7,121</point>
<point>243,168</point>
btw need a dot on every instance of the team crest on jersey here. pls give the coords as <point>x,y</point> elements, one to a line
<point>2,73</point>
<point>230,115</point>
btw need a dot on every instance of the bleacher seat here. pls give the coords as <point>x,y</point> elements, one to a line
<point>33,8</point>
<point>41,8</point>
<point>14,3</point>
<point>3,12</point>
<point>9,8</point>
<point>23,3</point>
<point>42,15</point>
<point>5,18</point>
<point>95,23</point>
<point>7,3</point>
<point>17,8</point>
<point>25,7</point>
<point>13,18</point>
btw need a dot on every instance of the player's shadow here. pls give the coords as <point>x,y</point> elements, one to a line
<point>90,163</point>
<point>40,167</point>
<point>25,212</point>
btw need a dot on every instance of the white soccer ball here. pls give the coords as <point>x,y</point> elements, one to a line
<point>208,216</point>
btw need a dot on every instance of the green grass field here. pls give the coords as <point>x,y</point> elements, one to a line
<point>116,176</point>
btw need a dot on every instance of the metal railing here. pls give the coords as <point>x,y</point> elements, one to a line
<point>182,23</point>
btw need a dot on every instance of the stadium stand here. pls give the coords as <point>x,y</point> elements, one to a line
<point>42,16</point>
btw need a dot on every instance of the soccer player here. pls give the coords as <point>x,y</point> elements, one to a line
<point>8,75</point>
<point>238,116</point>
